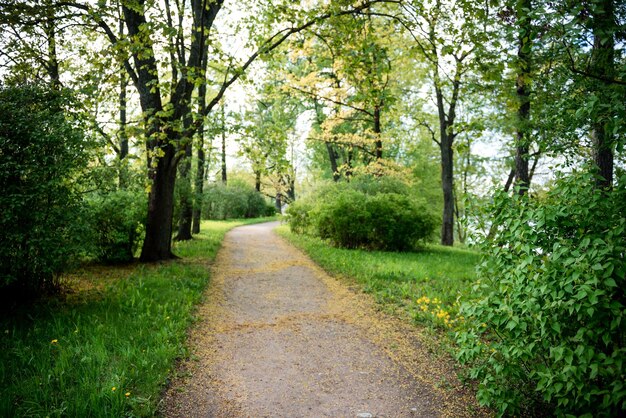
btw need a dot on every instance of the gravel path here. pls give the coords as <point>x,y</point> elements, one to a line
<point>277,337</point>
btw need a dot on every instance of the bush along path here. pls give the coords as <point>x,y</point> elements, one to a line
<point>279,337</point>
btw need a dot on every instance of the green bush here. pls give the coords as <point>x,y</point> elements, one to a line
<point>42,152</point>
<point>117,221</point>
<point>343,220</point>
<point>299,217</point>
<point>547,330</point>
<point>235,200</point>
<point>368,213</point>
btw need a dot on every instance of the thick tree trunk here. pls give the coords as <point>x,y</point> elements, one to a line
<point>158,241</point>
<point>602,62</point>
<point>522,142</point>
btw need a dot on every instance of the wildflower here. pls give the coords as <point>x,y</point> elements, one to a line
<point>127,394</point>
<point>113,389</point>
<point>54,341</point>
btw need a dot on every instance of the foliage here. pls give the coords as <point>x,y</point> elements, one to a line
<point>235,200</point>
<point>427,284</point>
<point>366,213</point>
<point>547,327</point>
<point>117,221</point>
<point>42,150</point>
<point>119,332</point>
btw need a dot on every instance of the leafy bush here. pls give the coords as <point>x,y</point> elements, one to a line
<point>298,215</point>
<point>117,220</point>
<point>343,220</point>
<point>42,151</point>
<point>363,214</point>
<point>547,330</point>
<point>235,200</point>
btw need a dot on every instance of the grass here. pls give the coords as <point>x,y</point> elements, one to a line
<point>107,347</point>
<point>427,285</point>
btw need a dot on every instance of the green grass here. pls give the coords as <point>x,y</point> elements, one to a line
<point>108,346</point>
<point>427,284</point>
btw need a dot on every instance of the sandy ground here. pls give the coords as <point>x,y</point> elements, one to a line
<point>278,337</point>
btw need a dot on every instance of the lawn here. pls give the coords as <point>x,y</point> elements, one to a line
<point>427,285</point>
<point>107,345</point>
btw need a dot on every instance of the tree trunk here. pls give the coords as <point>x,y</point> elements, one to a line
<point>52,63</point>
<point>332,156</point>
<point>447,186</point>
<point>186,202</point>
<point>122,136</point>
<point>199,182</point>
<point>378,143</point>
<point>257,180</point>
<point>224,176</point>
<point>522,142</point>
<point>602,63</point>
<point>279,202</point>
<point>158,241</point>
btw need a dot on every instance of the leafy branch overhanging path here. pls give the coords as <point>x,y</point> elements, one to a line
<point>279,337</point>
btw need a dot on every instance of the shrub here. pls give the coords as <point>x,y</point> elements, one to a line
<point>42,151</point>
<point>547,330</point>
<point>236,200</point>
<point>299,216</point>
<point>364,214</point>
<point>118,221</point>
<point>397,222</point>
<point>343,220</point>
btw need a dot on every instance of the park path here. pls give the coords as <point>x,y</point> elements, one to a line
<point>278,337</point>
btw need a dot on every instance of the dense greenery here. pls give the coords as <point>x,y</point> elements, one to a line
<point>365,213</point>
<point>115,221</point>
<point>235,200</point>
<point>42,154</point>
<point>108,347</point>
<point>547,324</point>
<point>466,102</point>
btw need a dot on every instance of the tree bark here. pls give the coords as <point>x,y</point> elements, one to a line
<point>186,202</point>
<point>447,186</point>
<point>378,143</point>
<point>522,142</point>
<point>602,63</point>
<point>332,157</point>
<point>224,175</point>
<point>199,182</point>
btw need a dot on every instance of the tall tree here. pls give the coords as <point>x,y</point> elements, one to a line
<point>522,141</point>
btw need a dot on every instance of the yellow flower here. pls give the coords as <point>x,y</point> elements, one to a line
<point>127,394</point>
<point>113,389</point>
<point>54,341</point>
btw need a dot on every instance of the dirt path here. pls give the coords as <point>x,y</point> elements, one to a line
<point>278,337</point>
